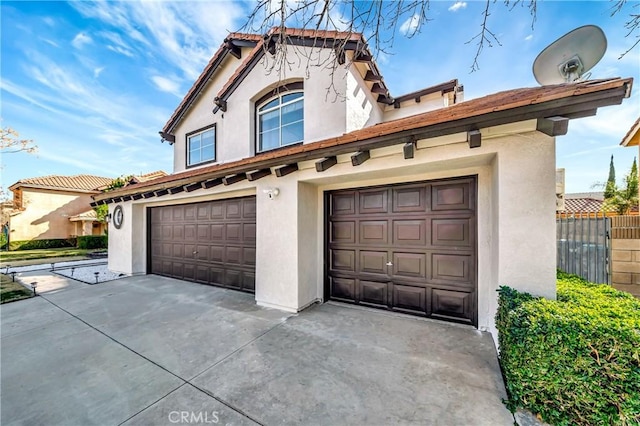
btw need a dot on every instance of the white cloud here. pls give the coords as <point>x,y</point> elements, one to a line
<point>457,6</point>
<point>167,85</point>
<point>49,21</point>
<point>176,32</point>
<point>410,26</point>
<point>117,45</point>
<point>529,37</point>
<point>51,42</point>
<point>97,71</point>
<point>80,40</point>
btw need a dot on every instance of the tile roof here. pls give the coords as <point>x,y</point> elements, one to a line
<point>582,205</point>
<point>492,110</point>
<point>597,195</point>
<point>89,215</point>
<point>150,176</point>
<point>83,183</point>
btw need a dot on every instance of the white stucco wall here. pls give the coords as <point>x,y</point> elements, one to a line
<point>362,108</point>
<point>515,169</point>
<point>427,103</point>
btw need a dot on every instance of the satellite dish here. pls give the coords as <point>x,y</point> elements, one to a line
<point>569,57</point>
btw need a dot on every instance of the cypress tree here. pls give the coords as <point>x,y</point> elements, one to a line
<point>610,188</point>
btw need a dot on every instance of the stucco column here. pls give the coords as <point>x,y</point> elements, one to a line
<point>277,244</point>
<point>527,227</point>
<point>127,245</point>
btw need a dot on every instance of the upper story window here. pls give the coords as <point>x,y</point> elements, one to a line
<point>201,146</point>
<point>280,120</point>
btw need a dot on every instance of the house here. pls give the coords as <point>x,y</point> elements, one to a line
<point>420,204</point>
<point>632,138</point>
<point>58,207</point>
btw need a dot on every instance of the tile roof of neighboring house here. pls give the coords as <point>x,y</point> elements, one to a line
<point>492,110</point>
<point>582,205</point>
<point>81,183</point>
<point>597,195</point>
<point>632,138</point>
<point>89,215</point>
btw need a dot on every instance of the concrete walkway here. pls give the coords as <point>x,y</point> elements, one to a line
<point>156,351</point>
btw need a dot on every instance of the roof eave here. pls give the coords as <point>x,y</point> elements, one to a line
<point>578,104</point>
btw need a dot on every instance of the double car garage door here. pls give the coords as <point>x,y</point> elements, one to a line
<point>409,247</point>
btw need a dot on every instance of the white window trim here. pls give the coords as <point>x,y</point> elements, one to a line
<point>278,107</point>
<point>200,132</point>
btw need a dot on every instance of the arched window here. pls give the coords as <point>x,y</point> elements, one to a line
<point>280,120</point>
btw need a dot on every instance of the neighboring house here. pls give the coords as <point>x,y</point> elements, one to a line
<point>632,138</point>
<point>419,203</point>
<point>583,202</point>
<point>55,207</point>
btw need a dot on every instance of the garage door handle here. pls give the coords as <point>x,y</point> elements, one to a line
<point>389,264</point>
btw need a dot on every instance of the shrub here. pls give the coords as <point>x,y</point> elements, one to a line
<point>92,242</point>
<point>575,360</point>
<point>42,244</point>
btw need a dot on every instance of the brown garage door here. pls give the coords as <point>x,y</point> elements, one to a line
<point>211,243</point>
<point>409,247</point>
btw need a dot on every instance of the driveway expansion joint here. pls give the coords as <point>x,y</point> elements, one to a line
<point>185,381</point>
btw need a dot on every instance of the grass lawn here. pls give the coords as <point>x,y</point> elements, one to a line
<point>10,291</point>
<point>9,256</point>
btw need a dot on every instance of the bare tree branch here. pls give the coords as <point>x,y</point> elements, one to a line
<point>10,142</point>
<point>632,25</point>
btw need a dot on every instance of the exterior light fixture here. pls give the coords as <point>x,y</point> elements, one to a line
<point>53,266</point>
<point>33,287</point>
<point>96,274</point>
<point>13,276</point>
<point>272,193</point>
<point>107,218</point>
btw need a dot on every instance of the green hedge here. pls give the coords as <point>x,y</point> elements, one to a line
<point>575,360</point>
<point>42,244</point>
<point>92,242</point>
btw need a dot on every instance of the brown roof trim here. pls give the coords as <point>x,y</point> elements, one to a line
<point>239,39</point>
<point>446,87</point>
<point>500,108</point>
<point>52,188</point>
<point>294,37</point>
<point>633,135</point>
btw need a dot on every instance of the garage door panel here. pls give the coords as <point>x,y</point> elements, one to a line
<point>343,288</point>
<point>410,239</point>
<point>410,265</point>
<point>451,304</point>
<point>373,201</point>
<point>216,253</point>
<point>343,232</point>
<point>234,255</point>
<point>249,232</point>
<point>374,293</point>
<point>410,298</point>
<point>249,256</point>
<point>249,208</point>
<point>233,232</point>
<point>211,242</point>
<point>233,209</point>
<point>409,199</point>
<point>217,210</point>
<point>451,232</point>
<point>343,260</point>
<point>248,281</point>
<point>450,196</point>
<point>343,204</point>
<point>409,233</point>
<point>373,262</point>
<point>373,232</point>
<point>203,211</point>
<point>451,268</point>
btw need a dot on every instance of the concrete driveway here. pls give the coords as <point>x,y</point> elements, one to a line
<point>156,351</point>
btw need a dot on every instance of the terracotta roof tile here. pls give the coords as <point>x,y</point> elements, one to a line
<point>446,119</point>
<point>72,183</point>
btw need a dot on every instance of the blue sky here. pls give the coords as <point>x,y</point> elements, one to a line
<point>92,83</point>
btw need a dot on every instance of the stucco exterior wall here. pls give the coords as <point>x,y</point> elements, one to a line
<point>362,108</point>
<point>46,214</point>
<point>515,169</point>
<point>427,103</point>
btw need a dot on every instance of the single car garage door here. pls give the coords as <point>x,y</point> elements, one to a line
<point>211,243</point>
<point>409,248</point>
